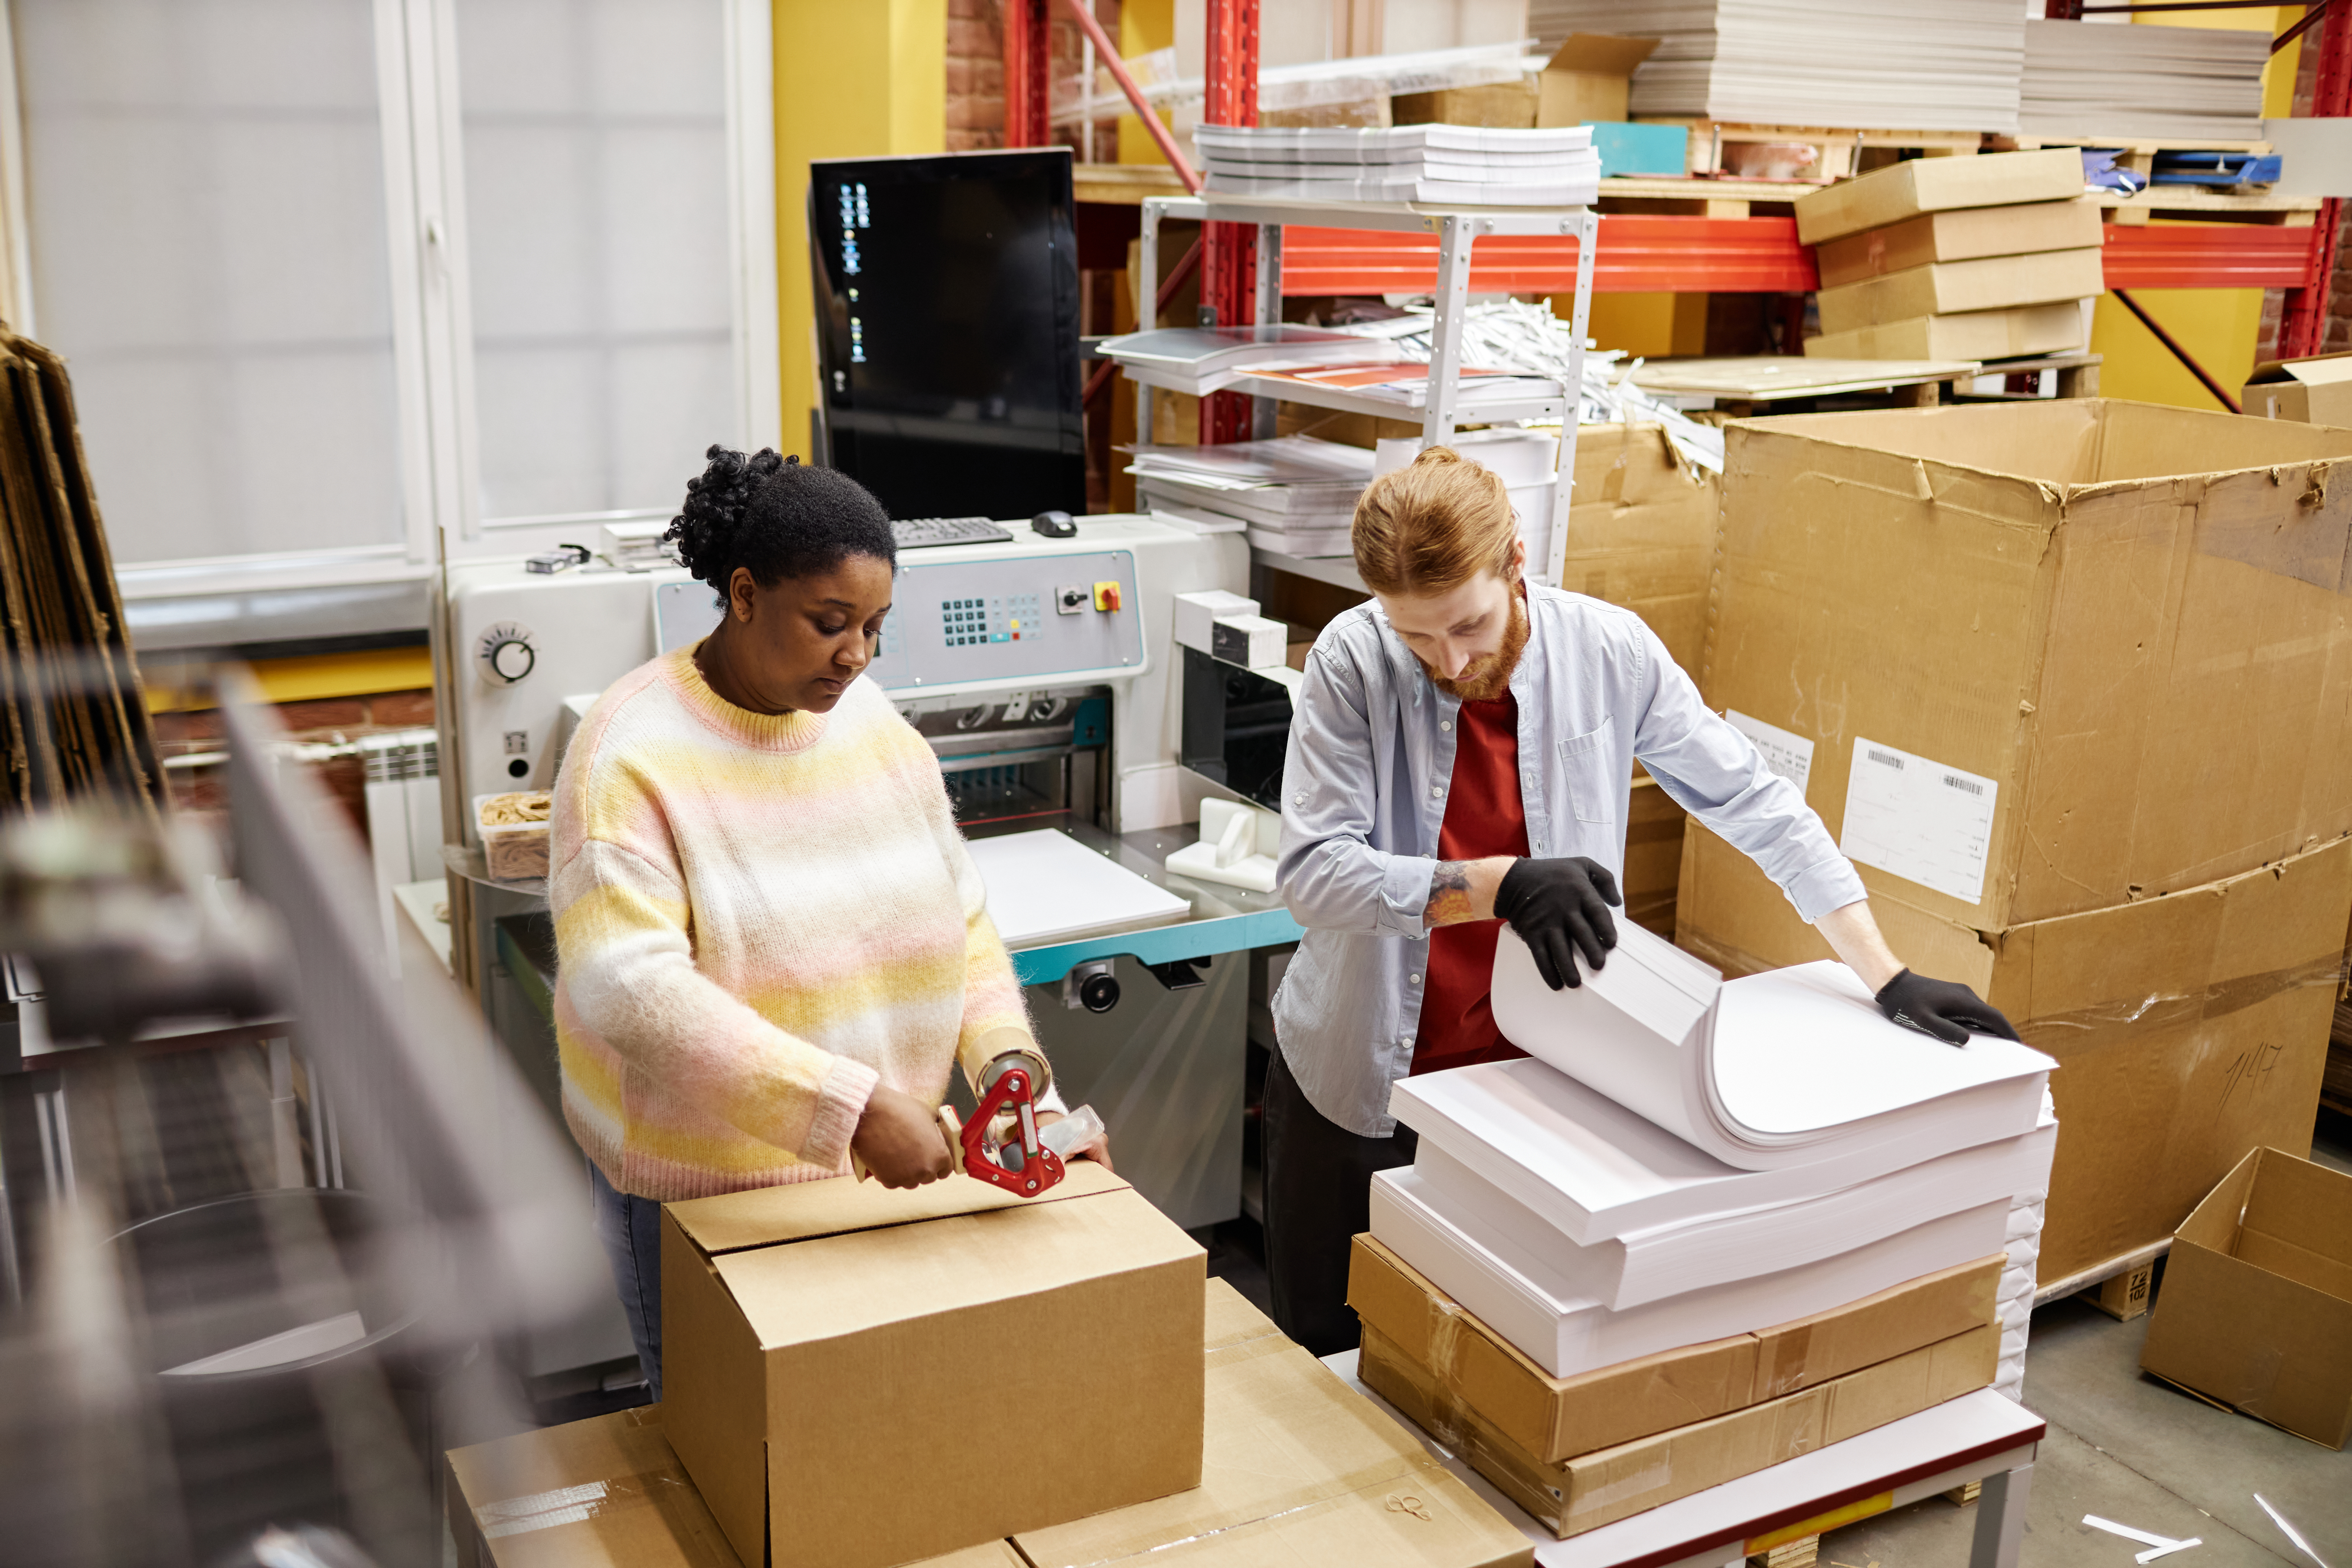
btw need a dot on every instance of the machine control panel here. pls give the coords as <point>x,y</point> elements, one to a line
<point>504,653</point>
<point>963,619</point>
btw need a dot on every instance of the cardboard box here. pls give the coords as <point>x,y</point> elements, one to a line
<point>1630,149</point>
<point>1555,1418</point>
<point>1640,533</point>
<point>2256,1308</point>
<point>1945,288</point>
<point>1962,234</point>
<point>1609,1484</point>
<point>1589,77</point>
<point>1916,185</point>
<point>2115,640</point>
<point>2189,1027</point>
<point>1299,1468</point>
<point>1510,105</point>
<point>834,1354</point>
<point>2317,391</point>
<point>1978,334</point>
<point>607,1492</point>
<point>1653,855</point>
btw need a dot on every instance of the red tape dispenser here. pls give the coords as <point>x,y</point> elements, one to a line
<point>1000,1143</point>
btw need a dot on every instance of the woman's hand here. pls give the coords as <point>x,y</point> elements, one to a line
<point>900,1140</point>
<point>1099,1151</point>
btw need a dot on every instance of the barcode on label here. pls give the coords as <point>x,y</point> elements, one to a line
<point>1968,784</point>
<point>1888,758</point>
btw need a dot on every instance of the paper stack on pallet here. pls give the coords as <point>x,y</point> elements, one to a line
<point>1907,65</point>
<point>1980,257</point>
<point>1707,1227</point>
<point>1461,165</point>
<point>2185,87</point>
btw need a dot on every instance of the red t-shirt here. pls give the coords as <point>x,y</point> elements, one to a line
<point>1483,816</point>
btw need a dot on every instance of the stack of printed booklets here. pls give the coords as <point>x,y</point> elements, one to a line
<point>1982,258</point>
<point>1885,65</point>
<point>2186,86</point>
<point>1283,359</point>
<point>1294,494</point>
<point>1706,1227</point>
<point>1463,165</point>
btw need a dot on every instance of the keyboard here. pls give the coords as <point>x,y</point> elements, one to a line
<point>922,532</point>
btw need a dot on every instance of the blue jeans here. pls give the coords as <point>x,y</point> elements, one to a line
<point>630,1228</point>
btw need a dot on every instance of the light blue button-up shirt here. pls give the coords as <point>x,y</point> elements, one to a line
<point>1364,794</point>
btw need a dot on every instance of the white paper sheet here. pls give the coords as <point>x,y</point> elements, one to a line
<point>1923,820</point>
<point>1783,1067</point>
<point>1047,886</point>
<point>1786,752</point>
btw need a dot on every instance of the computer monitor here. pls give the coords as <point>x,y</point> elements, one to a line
<point>947,308</point>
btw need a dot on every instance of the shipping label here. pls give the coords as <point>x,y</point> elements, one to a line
<point>1919,819</point>
<point>1788,754</point>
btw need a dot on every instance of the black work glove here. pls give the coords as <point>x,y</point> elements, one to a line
<point>1944,1008</point>
<point>1560,908</point>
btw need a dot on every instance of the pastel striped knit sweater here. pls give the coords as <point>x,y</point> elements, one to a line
<point>758,917</point>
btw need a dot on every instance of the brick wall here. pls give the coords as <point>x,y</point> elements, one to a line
<point>976,70</point>
<point>203,790</point>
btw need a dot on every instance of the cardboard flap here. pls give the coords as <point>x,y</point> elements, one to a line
<point>1601,54</point>
<point>2297,1222</point>
<point>2320,369</point>
<point>803,1210</point>
<point>1229,1319</point>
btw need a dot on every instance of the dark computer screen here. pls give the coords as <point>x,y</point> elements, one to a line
<point>947,300</point>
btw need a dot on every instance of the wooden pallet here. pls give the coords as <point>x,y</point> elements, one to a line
<point>2125,1296</point>
<point>1964,1494</point>
<point>1837,152</point>
<point>1803,1553</point>
<point>2137,153</point>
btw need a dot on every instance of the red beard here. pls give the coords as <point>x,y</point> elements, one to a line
<point>1484,678</point>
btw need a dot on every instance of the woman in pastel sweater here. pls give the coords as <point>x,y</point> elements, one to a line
<point>774,944</point>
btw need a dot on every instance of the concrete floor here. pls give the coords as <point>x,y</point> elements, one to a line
<point>2133,1450</point>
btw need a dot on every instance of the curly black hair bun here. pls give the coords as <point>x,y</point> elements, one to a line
<point>776,516</point>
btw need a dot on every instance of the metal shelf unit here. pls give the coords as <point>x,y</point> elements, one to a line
<point>1454,230</point>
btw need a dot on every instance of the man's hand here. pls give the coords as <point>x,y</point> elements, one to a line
<point>1944,1008</point>
<point>1099,1151</point>
<point>900,1140</point>
<point>1559,909</point>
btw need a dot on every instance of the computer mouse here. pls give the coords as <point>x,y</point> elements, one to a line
<point>1053,525</point>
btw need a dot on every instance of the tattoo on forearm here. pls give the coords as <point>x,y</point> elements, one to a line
<point>1449,894</point>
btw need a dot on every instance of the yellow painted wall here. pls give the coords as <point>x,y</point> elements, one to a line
<point>1143,25</point>
<point>853,78</point>
<point>2219,326</point>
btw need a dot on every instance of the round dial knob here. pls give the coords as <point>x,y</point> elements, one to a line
<point>505,654</point>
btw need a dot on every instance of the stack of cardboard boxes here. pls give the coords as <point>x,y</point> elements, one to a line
<point>1955,258</point>
<point>2072,684</point>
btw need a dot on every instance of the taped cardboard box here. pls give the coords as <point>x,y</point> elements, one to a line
<point>2190,1027</point>
<point>1917,185</point>
<point>1589,78</point>
<point>1299,1468</point>
<point>2256,1308</point>
<point>1653,855</point>
<point>1959,236</point>
<point>2316,390</point>
<point>833,1350</point>
<point>1973,334</point>
<point>1640,533</point>
<point>1945,288</point>
<point>1554,1419</point>
<point>607,1492</point>
<point>2028,665</point>
<point>1601,1487</point>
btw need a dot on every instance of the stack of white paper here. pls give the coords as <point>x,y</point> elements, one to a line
<point>1294,494</point>
<point>1460,165</point>
<point>1686,1159</point>
<point>1884,65</point>
<point>1202,360</point>
<point>2187,86</point>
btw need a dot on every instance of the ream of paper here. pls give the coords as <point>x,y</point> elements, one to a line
<point>1785,753</point>
<point>1923,820</point>
<point>1045,885</point>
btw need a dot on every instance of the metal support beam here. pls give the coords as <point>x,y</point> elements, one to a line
<point>1229,251</point>
<point>1028,73</point>
<point>2124,298</point>
<point>2303,323</point>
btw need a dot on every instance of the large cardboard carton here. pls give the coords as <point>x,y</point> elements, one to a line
<point>833,1355</point>
<point>2317,391</point>
<point>1555,1418</point>
<point>1508,105</point>
<point>1600,1487</point>
<point>2190,1027</point>
<point>2256,1308</point>
<point>1972,335</point>
<point>1299,1469</point>
<point>1904,190</point>
<point>1961,235</point>
<point>1653,855</point>
<point>607,1492</point>
<point>1942,287</point>
<point>1640,533</point>
<point>1589,77</point>
<point>2044,657</point>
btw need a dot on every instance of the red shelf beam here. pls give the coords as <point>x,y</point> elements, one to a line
<point>1644,253</point>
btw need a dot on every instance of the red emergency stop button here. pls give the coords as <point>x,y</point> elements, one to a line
<point>1105,597</point>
